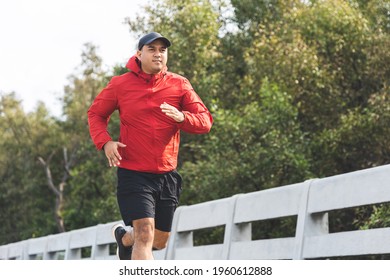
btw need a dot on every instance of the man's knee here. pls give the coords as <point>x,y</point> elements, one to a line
<point>160,239</point>
<point>143,230</point>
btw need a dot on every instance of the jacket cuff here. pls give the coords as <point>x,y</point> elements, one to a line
<point>101,144</point>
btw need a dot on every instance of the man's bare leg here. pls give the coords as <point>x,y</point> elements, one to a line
<point>143,230</point>
<point>159,241</point>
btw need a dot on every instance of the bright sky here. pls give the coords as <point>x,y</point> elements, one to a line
<point>41,43</point>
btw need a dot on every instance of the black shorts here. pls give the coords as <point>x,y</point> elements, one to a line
<point>147,195</point>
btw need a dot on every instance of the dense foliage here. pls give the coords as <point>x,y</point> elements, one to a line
<point>298,89</point>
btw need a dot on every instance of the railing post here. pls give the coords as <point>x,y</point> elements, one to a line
<point>308,224</point>
<point>177,239</point>
<point>24,254</point>
<point>99,250</point>
<point>45,254</point>
<point>234,232</point>
<point>72,254</point>
<point>4,252</point>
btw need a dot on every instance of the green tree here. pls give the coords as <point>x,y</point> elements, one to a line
<point>27,204</point>
<point>258,147</point>
<point>90,198</point>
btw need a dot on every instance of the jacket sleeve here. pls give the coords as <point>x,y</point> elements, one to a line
<point>99,114</point>
<point>198,119</point>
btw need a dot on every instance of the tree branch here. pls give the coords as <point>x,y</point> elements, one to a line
<point>49,177</point>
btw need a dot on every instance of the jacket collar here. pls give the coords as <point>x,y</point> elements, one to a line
<point>134,65</point>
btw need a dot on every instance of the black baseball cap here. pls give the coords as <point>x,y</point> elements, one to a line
<point>148,38</point>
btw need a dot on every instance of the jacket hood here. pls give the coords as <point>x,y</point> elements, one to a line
<point>134,65</point>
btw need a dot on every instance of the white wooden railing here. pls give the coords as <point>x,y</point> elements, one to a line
<point>309,201</point>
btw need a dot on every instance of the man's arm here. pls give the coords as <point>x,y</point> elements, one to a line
<point>99,114</point>
<point>197,118</point>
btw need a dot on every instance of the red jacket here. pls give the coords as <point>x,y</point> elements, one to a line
<point>151,137</point>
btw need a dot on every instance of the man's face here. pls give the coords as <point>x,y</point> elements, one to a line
<point>153,57</point>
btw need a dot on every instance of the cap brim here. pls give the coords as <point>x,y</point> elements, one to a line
<point>166,41</point>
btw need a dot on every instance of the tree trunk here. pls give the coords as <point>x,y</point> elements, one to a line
<point>58,191</point>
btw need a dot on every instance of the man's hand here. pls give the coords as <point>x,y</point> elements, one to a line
<point>172,112</point>
<point>112,154</point>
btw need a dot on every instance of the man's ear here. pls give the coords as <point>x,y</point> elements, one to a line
<point>139,54</point>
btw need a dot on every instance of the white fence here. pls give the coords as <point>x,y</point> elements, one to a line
<point>309,202</point>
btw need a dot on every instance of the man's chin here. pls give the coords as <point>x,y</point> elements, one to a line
<point>157,70</point>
